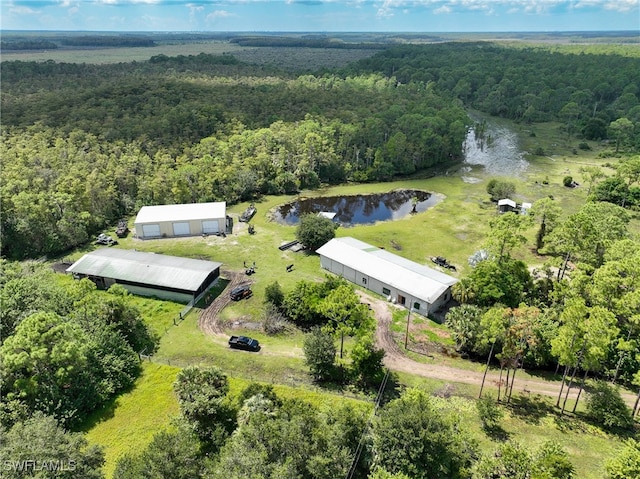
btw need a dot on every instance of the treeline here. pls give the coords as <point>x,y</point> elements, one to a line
<point>27,45</point>
<point>321,42</point>
<point>107,41</point>
<point>92,144</point>
<point>588,324</point>
<point>586,92</point>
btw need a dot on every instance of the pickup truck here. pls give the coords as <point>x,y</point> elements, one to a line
<point>245,343</point>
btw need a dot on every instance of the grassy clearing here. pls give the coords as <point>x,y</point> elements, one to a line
<point>454,228</point>
<point>128,424</point>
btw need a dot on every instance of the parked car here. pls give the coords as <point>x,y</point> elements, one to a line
<point>245,343</point>
<point>241,292</point>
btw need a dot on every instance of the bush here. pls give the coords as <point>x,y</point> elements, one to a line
<point>539,151</point>
<point>273,321</point>
<point>568,181</point>
<point>313,231</point>
<point>273,294</point>
<point>584,146</point>
<point>489,412</point>
<point>499,189</point>
<point>626,463</point>
<point>320,354</point>
<point>606,407</point>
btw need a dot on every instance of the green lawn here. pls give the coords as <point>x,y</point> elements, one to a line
<point>454,228</point>
<point>128,424</point>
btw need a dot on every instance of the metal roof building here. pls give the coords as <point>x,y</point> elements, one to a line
<point>190,219</point>
<point>402,281</point>
<point>147,274</point>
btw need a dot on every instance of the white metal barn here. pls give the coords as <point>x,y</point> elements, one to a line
<point>400,280</point>
<point>166,221</point>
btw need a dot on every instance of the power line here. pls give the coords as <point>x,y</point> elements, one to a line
<point>376,405</point>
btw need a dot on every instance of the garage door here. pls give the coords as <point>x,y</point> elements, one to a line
<point>210,227</point>
<point>181,229</point>
<point>150,231</point>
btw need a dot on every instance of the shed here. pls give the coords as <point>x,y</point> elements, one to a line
<point>506,205</point>
<point>191,219</point>
<point>400,280</point>
<point>327,214</point>
<point>147,274</point>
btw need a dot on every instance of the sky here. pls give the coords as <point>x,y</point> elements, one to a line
<point>321,15</point>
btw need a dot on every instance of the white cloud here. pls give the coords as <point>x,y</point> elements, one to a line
<point>219,14</point>
<point>21,10</point>
<point>442,9</point>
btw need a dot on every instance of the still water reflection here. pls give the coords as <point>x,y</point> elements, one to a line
<point>358,209</point>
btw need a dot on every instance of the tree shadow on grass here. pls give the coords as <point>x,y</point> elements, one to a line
<point>106,412</point>
<point>530,409</point>
<point>496,433</point>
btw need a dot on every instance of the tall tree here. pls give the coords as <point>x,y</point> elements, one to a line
<point>202,396</point>
<point>547,213</point>
<point>411,436</point>
<point>40,447</point>
<point>344,311</point>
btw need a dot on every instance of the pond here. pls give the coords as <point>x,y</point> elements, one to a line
<point>358,209</point>
<point>497,150</point>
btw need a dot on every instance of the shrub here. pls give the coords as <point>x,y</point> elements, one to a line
<point>499,189</point>
<point>273,294</point>
<point>273,321</point>
<point>539,151</point>
<point>606,407</point>
<point>568,181</point>
<point>489,412</point>
<point>626,463</point>
<point>584,146</point>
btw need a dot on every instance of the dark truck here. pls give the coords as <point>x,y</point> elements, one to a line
<point>241,292</point>
<point>245,343</point>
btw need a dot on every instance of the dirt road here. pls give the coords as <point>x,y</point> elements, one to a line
<point>396,360</point>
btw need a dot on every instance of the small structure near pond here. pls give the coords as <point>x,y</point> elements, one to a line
<point>506,205</point>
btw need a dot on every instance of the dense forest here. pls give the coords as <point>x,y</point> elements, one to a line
<point>84,145</point>
<point>262,131</point>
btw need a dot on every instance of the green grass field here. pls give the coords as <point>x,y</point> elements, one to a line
<point>454,228</point>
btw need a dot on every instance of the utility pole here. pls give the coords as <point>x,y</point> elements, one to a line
<point>406,336</point>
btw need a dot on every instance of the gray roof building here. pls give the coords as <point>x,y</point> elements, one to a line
<point>386,273</point>
<point>148,274</point>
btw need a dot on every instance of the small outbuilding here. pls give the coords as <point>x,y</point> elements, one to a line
<point>327,214</point>
<point>194,219</point>
<point>400,280</point>
<point>524,208</point>
<point>506,205</point>
<point>147,274</point>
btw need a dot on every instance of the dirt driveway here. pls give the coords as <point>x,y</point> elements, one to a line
<point>396,360</point>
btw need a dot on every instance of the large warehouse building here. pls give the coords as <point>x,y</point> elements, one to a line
<point>166,221</point>
<point>147,274</point>
<point>400,280</point>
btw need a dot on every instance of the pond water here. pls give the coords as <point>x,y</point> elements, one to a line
<point>358,209</point>
<point>498,152</point>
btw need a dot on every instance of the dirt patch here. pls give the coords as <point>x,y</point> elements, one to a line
<point>209,321</point>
